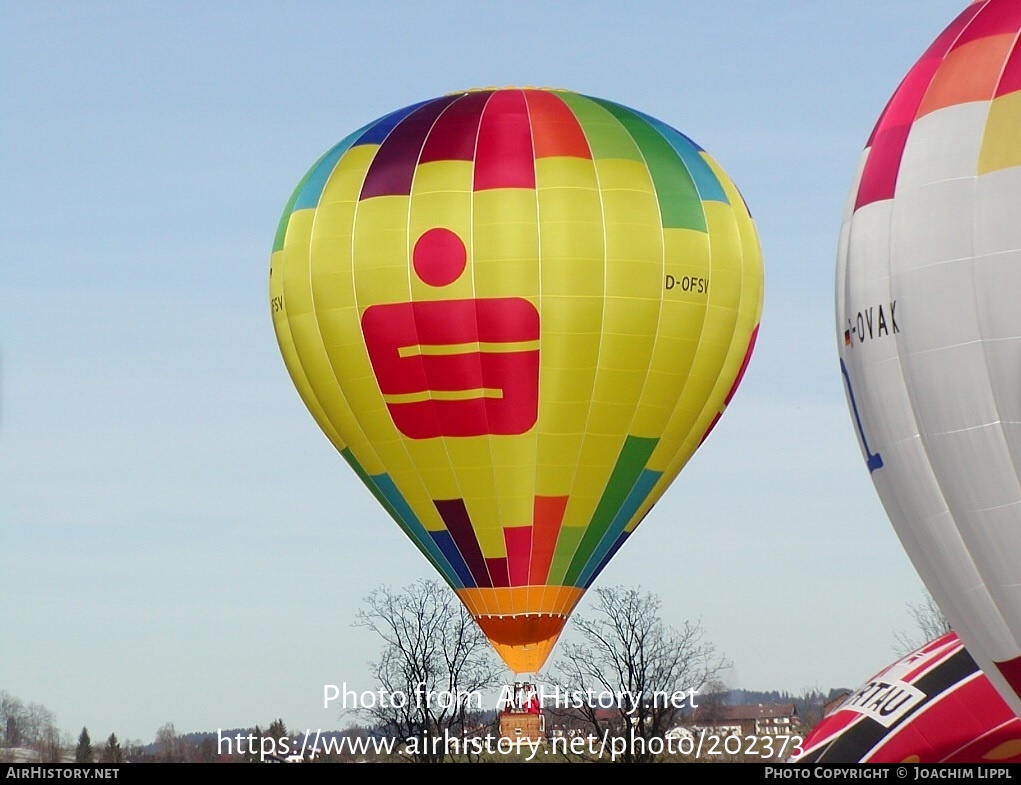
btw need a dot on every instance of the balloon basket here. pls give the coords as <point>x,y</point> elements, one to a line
<point>521,714</point>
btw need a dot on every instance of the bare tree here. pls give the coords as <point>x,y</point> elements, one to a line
<point>652,669</point>
<point>31,726</point>
<point>434,664</point>
<point>169,748</point>
<point>930,624</point>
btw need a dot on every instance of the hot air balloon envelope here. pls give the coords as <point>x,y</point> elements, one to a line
<point>516,313</point>
<point>932,706</point>
<point>929,328</point>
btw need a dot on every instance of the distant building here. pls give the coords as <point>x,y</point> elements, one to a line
<point>748,719</point>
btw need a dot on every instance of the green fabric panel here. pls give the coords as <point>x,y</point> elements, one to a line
<point>633,457</point>
<point>278,240</point>
<point>679,202</point>
<point>567,545</point>
<point>607,138</point>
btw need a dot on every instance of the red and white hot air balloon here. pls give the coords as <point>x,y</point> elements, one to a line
<point>928,301</point>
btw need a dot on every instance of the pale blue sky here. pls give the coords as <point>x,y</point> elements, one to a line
<point>179,541</point>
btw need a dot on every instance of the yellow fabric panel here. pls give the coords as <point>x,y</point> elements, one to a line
<point>570,276</point>
<point>571,315</point>
<point>569,206</point>
<point>618,174</point>
<point>310,359</point>
<point>687,255</point>
<point>290,355</point>
<point>515,490</point>
<point>381,232</point>
<point>345,181</point>
<point>379,246</point>
<point>557,458</point>
<point>293,263</point>
<point>609,419</point>
<point>581,241</point>
<point>461,289</point>
<point>743,321</point>
<point>418,487</point>
<point>316,364</point>
<point>569,352</point>
<point>703,392</point>
<point>513,451</point>
<point>595,461</point>
<point>630,316</point>
<point>567,387</point>
<point>334,224</point>
<point>623,388</point>
<point>624,353</point>
<point>427,452</point>
<point>625,211</point>
<point>716,333</point>
<point>1000,149</point>
<point>700,385</point>
<point>449,210</point>
<point>680,319</point>
<point>642,280</point>
<point>474,451</point>
<point>362,397</point>
<point>680,323</point>
<point>596,452</point>
<point>562,172</point>
<point>669,446</point>
<point>725,247</point>
<point>330,253</point>
<point>474,480</point>
<point>504,207</point>
<point>474,476</point>
<point>332,289</point>
<point>585,495</point>
<point>376,285</point>
<point>490,539</point>
<point>564,399</point>
<point>441,197</point>
<point>661,389</point>
<point>497,496</point>
<point>439,177</point>
<point>515,278</point>
<point>562,418</point>
<point>686,246</point>
<point>339,327</point>
<point>650,419</point>
<point>567,376</point>
<point>423,484</point>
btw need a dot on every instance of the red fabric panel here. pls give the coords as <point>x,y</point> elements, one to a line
<point>547,516</point>
<point>503,157</point>
<point>555,129</point>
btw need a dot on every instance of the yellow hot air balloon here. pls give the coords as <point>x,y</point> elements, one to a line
<point>516,313</point>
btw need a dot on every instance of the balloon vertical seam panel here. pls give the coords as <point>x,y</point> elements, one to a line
<point>928,329</point>
<point>516,313</point>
